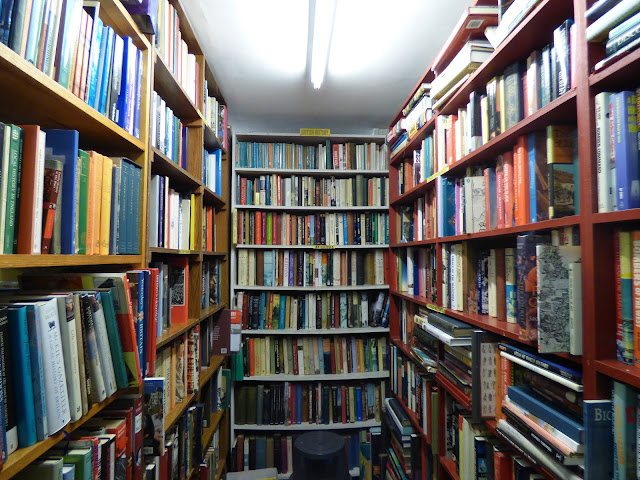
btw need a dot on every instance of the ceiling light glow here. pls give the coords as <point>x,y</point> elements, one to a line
<point>322,31</point>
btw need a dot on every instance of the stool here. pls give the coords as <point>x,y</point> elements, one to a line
<point>320,456</point>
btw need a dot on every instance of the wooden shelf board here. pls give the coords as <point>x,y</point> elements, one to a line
<point>618,74</point>
<point>208,372</point>
<point>120,20</point>
<point>416,243</point>
<point>412,298</point>
<point>321,331</point>
<point>382,208</point>
<point>617,370</point>
<point>413,193</point>
<point>414,420</point>
<point>211,141</point>
<point>213,309</point>
<point>39,261</point>
<point>214,199</point>
<point>222,464</point>
<point>454,391</point>
<point>163,165</point>
<point>323,377</point>
<point>313,247</point>
<point>561,110</point>
<point>309,172</point>
<point>177,411</point>
<point>415,142</point>
<point>168,87</point>
<point>631,215</point>
<point>309,426</point>
<point>571,221</point>
<point>24,456</point>
<point>402,346</point>
<point>449,467</point>
<point>212,254</point>
<point>172,251</point>
<point>28,96</point>
<point>175,331</point>
<point>486,322</point>
<point>533,32</point>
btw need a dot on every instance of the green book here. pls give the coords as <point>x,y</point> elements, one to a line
<point>117,355</point>
<point>35,24</point>
<point>82,458</point>
<point>83,204</point>
<point>13,190</point>
<point>329,163</point>
<point>269,228</point>
<point>43,469</point>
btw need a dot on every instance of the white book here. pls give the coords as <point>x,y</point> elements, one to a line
<point>493,287</point>
<point>243,267</point>
<point>251,279</point>
<point>154,209</point>
<point>575,308</point>
<point>364,309</point>
<point>285,274</point>
<point>379,267</point>
<point>409,267</point>
<point>185,224</point>
<point>599,29</point>
<point>55,383</point>
<point>336,268</point>
<point>469,58</point>
<point>606,197</point>
<point>510,282</point>
<point>106,361</point>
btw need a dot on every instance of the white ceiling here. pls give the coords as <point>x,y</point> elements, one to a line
<point>380,50</point>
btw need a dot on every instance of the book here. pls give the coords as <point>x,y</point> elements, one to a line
<point>598,439</point>
<point>598,30</point>
<point>154,427</point>
<point>624,402</point>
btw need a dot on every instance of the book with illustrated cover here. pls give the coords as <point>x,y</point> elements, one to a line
<point>153,411</point>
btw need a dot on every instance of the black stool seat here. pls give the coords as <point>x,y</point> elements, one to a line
<point>320,455</point>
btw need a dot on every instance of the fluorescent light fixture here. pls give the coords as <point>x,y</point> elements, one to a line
<point>324,14</point>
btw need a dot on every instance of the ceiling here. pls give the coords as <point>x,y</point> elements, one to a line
<point>380,50</point>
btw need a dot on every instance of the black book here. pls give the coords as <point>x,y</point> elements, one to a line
<point>252,453</point>
<point>326,403</point>
<point>563,57</point>
<point>277,455</point>
<point>360,268</point>
<point>318,311</point>
<point>266,406</point>
<point>449,325</point>
<point>513,98</point>
<point>254,311</point>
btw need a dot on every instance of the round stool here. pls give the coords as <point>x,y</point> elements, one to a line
<point>320,456</point>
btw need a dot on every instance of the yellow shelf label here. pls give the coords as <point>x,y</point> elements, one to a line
<point>435,308</point>
<point>324,247</point>
<point>315,132</point>
<point>184,252</point>
<point>437,174</point>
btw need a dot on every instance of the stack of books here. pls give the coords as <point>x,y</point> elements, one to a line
<point>616,24</point>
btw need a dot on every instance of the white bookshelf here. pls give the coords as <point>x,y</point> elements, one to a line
<point>316,331</point>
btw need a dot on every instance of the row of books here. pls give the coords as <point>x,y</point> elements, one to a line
<point>57,198</point>
<point>211,272</point>
<point>626,276</point>
<point>618,174</point>
<point>173,49</point>
<point>330,229</point>
<point>254,452</point>
<point>107,445</point>
<point>416,272</point>
<point>215,116</point>
<point>403,458</point>
<point>171,306</point>
<point>614,24</point>
<point>167,132</point>
<point>416,113</point>
<point>309,191</point>
<point>418,220</point>
<point>291,268</point>
<point>171,216</point>
<point>308,403</point>
<point>208,228</point>
<point>327,156</point>
<point>536,181</point>
<point>314,355</point>
<point>71,44</point>
<point>274,311</point>
<point>212,170</point>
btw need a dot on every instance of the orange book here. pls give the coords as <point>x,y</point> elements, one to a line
<point>105,208</point>
<point>521,181</point>
<point>451,139</point>
<point>503,383</point>
<point>31,190</point>
<point>210,228</point>
<point>179,288</point>
<point>270,155</point>
<point>97,204</point>
<point>635,269</point>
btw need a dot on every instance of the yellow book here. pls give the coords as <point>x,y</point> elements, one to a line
<point>360,354</point>
<point>192,224</point>
<point>91,205</point>
<point>97,205</point>
<point>352,404</point>
<point>105,211</point>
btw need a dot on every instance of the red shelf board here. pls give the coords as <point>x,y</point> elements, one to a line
<point>617,74</point>
<point>622,372</point>
<point>454,391</point>
<point>413,193</point>
<point>417,243</point>
<point>450,467</point>
<point>415,142</point>
<point>402,346</point>
<point>509,330</point>
<point>413,418</point>
<point>498,232</point>
<point>412,298</point>
<point>632,215</point>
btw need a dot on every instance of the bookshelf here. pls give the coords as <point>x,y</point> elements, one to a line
<point>31,96</point>
<point>298,195</point>
<point>597,231</point>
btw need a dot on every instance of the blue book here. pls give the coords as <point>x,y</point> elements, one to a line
<point>321,363</point>
<point>547,411</point>
<point>283,307</point>
<point>345,229</point>
<point>137,97</point>
<point>298,403</point>
<point>261,452</point>
<point>136,278</point>
<point>598,439</point>
<point>116,175</point>
<point>359,404</point>
<point>101,61</point>
<point>626,150</point>
<point>263,301</point>
<point>268,268</point>
<point>136,173</point>
<point>145,300</point>
<point>542,362</point>
<point>218,184</point>
<point>124,203</point>
<point>97,50</point>
<point>65,144</point>
<point>154,388</point>
<point>6,9</point>
<point>121,105</point>
<point>68,472</point>
<point>625,403</point>
<point>106,69</point>
<point>21,369</point>
<point>37,370</point>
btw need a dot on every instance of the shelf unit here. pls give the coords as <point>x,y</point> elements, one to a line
<point>598,363</point>
<point>316,175</point>
<point>189,180</point>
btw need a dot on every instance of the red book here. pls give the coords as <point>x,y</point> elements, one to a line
<point>243,191</point>
<point>29,222</point>
<point>503,384</point>
<point>240,453</point>
<point>618,291</point>
<point>52,176</point>
<point>127,413</point>
<point>500,192</point>
<point>336,156</point>
<point>210,224</point>
<point>179,288</point>
<point>502,465</point>
<point>507,170</point>
<point>521,181</point>
<point>294,349</point>
<point>343,396</point>
<point>487,197</point>
<point>245,311</point>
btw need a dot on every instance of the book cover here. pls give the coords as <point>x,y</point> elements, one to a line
<point>31,190</point>
<point>624,401</point>
<point>153,411</point>
<point>526,282</point>
<point>538,178</point>
<point>598,439</point>
<point>179,289</point>
<point>626,150</point>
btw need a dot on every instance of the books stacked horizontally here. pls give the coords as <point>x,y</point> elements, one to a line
<point>87,57</point>
<point>314,355</point>
<point>104,445</point>
<point>308,403</point>
<point>469,58</point>
<point>416,113</point>
<point>616,23</point>
<point>510,15</point>
<point>327,156</point>
<point>403,454</point>
<point>541,410</point>
<point>275,311</point>
<point>617,156</point>
<point>56,198</point>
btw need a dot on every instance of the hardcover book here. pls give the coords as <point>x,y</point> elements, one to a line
<point>153,409</point>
